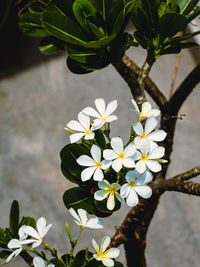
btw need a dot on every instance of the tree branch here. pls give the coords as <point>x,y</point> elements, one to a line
<point>27,258</point>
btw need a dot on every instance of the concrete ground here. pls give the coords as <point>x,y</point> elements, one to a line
<point>38,96</point>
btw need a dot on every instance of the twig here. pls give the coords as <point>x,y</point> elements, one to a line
<point>30,3</point>
<point>174,74</point>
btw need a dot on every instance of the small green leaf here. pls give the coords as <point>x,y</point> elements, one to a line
<point>47,47</point>
<point>14,218</point>
<point>27,221</point>
<point>77,68</point>
<point>100,139</point>
<point>186,6</point>
<point>4,254</point>
<point>103,42</point>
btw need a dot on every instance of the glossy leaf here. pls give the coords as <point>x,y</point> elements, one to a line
<point>27,221</point>
<point>100,43</point>
<point>14,218</point>
<point>77,68</point>
<point>65,7</point>
<point>82,56</point>
<point>100,139</point>
<point>47,47</point>
<point>186,6</point>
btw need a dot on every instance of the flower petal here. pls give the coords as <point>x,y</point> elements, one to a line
<point>100,105</point>
<point>129,163</point>
<point>111,118</point>
<point>96,153</point>
<point>31,231</point>
<point>100,195</point>
<point>85,160</point>
<point>105,243</point>
<point>90,136</point>
<point>140,166</point>
<point>91,112</point>
<point>143,191</point>
<point>95,245</point>
<point>150,125</point>
<point>41,226</point>
<point>132,199</point>
<point>117,144</point>
<point>14,243</point>
<point>14,254</point>
<point>117,165</point>
<point>87,173</point>
<point>157,153</point>
<point>121,199</point>
<point>146,108</point>
<point>108,262</point>
<point>105,164</point>
<point>130,150</point>
<point>76,137</point>
<point>98,175</point>
<point>158,135</point>
<point>111,107</point>
<point>75,126</point>
<point>83,216</point>
<point>75,215</point>
<point>112,253</point>
<point>144,178</point>
<point>97,123</point>
<point>111,201</point>
<point>154,112</point>
<point>153,165</point>
<point>95,223</point>
<point>125,190</point>
<point>145,146</point>
<point>138,128</point>
<point>135,106</point>
<point>37,243</point>
<point>38,262</point>
<point>84,120</point>
<point>109,154</point>
<point>131,176</point>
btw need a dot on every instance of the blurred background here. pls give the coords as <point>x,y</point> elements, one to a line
<point>38,96</point>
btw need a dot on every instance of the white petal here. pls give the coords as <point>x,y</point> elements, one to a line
<point>87,173</point>
<point>157,153</point>
<point>95,245</point>
<point>150,125</point>
<point>132,199</point>
<point>119,197</point>
<point>135,106</point>
<point>95,223</point>
<point>75,126</point>
<point>146,108</point>
<point>108,262</point>
<point>105,164</point>
<point>76,137</point>
<point>75,215</point>
<point>111,201</point>
<point>97,123</point>
<point>14,243</point>
<point>100,195</point>
<point>154,166</point>
<point>112,253</point>
<point>129,163</point>
<point>21,233</point>
<point>85,160</point>
<point>100,105</point>
<point>145,146</point>
<point>83,216</point>
<point>38,262</point>
<point>105,243</point>
<point>137,141</point>
<point>117,165</point>
<point>90,136</point>
<point>14,254</point>
<point>104,185</point>
<point>144,178</point>
<point>131,176</point>
<point>138,128</point>
<point>31,231</point>
<point>41,225</point>
<point>91,112</point>
<point>96,153</point>
<point>140,166</point>
<point>111,107</point>
<point>130,150</point>
<point>125,190</point>
<point>109,154</point>
<point>158,135</point>
<point>37,243</point>
<point>143,191</point>
<point>98,175</point>
<point>111,118</point>
<point>84,120</point>
<point>154,112</point>
<point>117,144</point>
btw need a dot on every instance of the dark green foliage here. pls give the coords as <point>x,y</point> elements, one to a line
<point>14,218</point>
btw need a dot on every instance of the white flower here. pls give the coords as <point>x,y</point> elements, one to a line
<point>110,190</point>
<point>42,230</point>
<point>103,254</point>
<point>104,113</point>
<point>148,157</point>
<point>95,165</point>
<point>81,218</point>
<point>82,126</point>
<point>18,244</point>
<point>121,156</point>
<point>38,262</point>
<point>136,186</point>
<point>146,132</point>
<point>146,112</point>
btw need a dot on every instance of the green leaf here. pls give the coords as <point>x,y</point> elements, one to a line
<point>171,23</point>
<point>139,36</point>
<point>27,221</point>
<point>178,39</point>
<point>31,25</point>
<point>77,68</point>
<point>65,7</point>
<point>62,27</point>
<point>82,56</point>
<point>193,15</point>
<point>97,32</point>
<point>103,42</point>
<point>14,218</point>
<point>100,139</point>
<point>80,259</point>
<point>4,254</point>
<point>119,46</point>
<point>47,46</point>
<point>115,10</point>
<point>82,9</point>
<point>4,238</point>
<point>186,6</point>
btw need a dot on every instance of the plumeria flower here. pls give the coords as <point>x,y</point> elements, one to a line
<point>105,255</point>
<point>136,186</point>
<point>94,164</point>
<point>104,113</point>
<point>146,112</point>
<point>81,218</point>
<point>38,262</point>
<point>42,230</point>
<point>148,157</point>
<point>119,155</point>
<point>146,132</point>
<point>82,126</point>
<point>110,191</point>
<point>18,244</point>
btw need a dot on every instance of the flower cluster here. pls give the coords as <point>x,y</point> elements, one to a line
<point>133,163</point>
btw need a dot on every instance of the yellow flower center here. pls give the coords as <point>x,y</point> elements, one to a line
<point>98,164</point>
<point>87,132</point>
<point>103,118</point>
<point>143,135</point>
<point>141,117</point>
<point>144,157</point>
<point>121,156</point>
<point>132,183</point>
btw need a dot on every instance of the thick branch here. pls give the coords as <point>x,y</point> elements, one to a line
<point>185,88</point>
<point>130,72</point>
<point>27,258</point>
<point>187,175</point>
